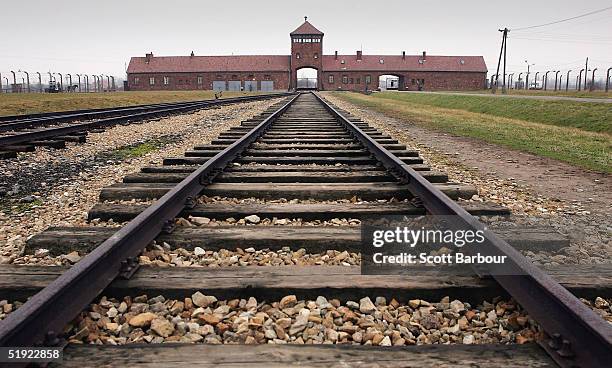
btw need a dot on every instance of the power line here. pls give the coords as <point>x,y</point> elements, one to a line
<point>563,20</point>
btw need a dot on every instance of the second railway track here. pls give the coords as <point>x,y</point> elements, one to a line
<point>22,133</point>
<point>301,159</point>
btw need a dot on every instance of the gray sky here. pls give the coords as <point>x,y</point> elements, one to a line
<point>76,36</point>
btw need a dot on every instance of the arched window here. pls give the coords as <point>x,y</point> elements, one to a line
<point>297,55</point>
<point>316,55</point>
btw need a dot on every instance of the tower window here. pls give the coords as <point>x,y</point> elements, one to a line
<point>297,55</point>
<point>316,55</point>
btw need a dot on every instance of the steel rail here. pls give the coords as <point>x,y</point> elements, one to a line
<point>576,335</point>
<point>58,115</point>
<point>17,118</point>
<point>51,132</point>
<point>40,319</point>
<point>48,124</point>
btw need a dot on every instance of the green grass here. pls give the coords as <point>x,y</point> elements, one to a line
<point>588,149</point>
<point>563,93</point>
<point>32,103</point>
<point>591,116</point>
<point>138,150</point>
<point>16,207</point>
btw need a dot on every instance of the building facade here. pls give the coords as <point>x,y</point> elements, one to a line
<point>357,72</point>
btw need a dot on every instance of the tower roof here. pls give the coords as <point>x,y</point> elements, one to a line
<point>306,29</point>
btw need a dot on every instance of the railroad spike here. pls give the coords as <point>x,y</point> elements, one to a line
<point>566,350</point>
<point>128,268</point>
<point>555,341</point>
<point>190,202</point>
<point>168,227</point>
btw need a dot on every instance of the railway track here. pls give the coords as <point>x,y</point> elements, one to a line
<point>22,133</point>
<point>300,159</point>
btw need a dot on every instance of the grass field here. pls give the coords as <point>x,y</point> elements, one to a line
<point>31,103</point>
<point>570,93</point>
<point>574,132</point>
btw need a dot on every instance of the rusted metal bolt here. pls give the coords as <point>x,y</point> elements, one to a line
<point>566,350</point>
<point>555,341</point>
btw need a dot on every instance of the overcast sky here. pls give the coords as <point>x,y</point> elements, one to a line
<point>76,36</point>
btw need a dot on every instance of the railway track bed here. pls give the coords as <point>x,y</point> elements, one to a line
<point>23,133</point>
<point>295,182</point>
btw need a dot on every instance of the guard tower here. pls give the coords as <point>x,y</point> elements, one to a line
<point>306,52</point>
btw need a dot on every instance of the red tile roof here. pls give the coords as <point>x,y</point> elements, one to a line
<point>239,63</point>
<point>432,63</point>
<point>280,63</point>
<point>306,29</point>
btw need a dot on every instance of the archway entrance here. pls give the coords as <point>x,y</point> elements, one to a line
<point>389,82</point>
<point>307,79</point>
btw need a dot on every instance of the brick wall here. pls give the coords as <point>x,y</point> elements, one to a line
<point>408,80</point>
<point>189,81</point>
<point>310,56</point>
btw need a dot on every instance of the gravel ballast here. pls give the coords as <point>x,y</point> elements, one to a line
<point>62,185</point>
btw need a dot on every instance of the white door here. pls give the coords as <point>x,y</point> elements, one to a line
<point>233,85</point>
<point>218,85</point>
<point>267,86</point>
<point>250,86</point>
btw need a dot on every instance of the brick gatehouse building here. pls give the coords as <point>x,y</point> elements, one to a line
<point>356,72</point>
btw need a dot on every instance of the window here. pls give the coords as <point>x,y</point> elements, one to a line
<point>316,55</point>
<point>331,79</point>
<point>382,61</point>
<point>344,79</point>
<point>180,81</point>
<point>351,80</point>
<point>342,61</point>
<point>200,80</point>
<point>358,80</point>
<point>368,79</point>
<point>152,81</point>
<point>166,81</point>
<point>297,55</point>
<point>136,81</point>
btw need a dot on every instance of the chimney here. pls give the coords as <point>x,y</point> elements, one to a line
<point>359,55</point>
<point>424,55</point>
<point>403,55</point>
<point>336,58</point>
<point>149,56</point>
<point>192,54</point>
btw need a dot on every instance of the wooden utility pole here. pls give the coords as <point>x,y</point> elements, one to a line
<point>505,35</point>
<point>502,50</point>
